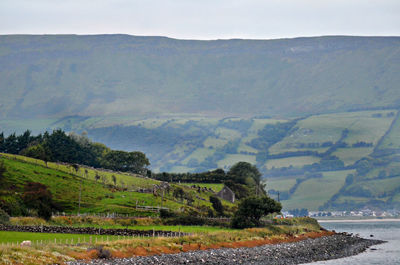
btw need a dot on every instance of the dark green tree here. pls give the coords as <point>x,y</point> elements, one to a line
<point>217,205</point>
<point>135,162</point>
<point>251,209</point>
<point>3,169</point>
<point>37,196</point>
<point>242,171</point>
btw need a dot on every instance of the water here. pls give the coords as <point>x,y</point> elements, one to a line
<point>385,254</point>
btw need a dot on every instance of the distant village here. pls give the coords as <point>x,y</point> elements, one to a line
<point>360,213</point>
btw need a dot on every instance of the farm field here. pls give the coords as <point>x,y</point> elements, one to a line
<point>314,192</point>
<point>231,159</point>
<point>351,155</point>
<point>50,238</point>
<point>280,184</point>
<point>392,139</point>
<point>297,161</point>
<point>367,126</point>
<point>96,197</point>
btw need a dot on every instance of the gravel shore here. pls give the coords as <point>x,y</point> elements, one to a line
<point>323,248</point>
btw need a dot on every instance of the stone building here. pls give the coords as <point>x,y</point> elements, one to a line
<point>226,194</point>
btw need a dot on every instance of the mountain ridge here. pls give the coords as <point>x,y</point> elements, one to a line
<point>102,75</point>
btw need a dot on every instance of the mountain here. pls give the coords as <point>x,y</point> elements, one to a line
<point>53,76</point>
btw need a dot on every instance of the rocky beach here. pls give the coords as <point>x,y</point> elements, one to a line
<point>305,251</point>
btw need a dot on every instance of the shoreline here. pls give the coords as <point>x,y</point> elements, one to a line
<point>309,250</point>
<point>357,220</point>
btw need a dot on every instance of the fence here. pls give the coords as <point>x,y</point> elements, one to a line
<point>90,239</point>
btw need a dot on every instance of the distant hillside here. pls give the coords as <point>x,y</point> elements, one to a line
<point>53,76</point>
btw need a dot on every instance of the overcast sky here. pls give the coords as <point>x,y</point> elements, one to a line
<point>202,19</point>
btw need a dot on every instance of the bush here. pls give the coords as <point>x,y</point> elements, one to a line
<point>166,214</point>
<point>101,253</point>
<point>251,210</point>
<point>217,205</point>
<point>4,217</point>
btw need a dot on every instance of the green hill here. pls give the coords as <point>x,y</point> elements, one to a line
<point>98,196</point>
<point>53,76</point>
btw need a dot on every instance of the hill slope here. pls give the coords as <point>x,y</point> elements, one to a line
<point>61,75</point>
<point>98,196</point>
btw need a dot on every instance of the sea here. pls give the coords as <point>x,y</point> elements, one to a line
<point>383,254</point>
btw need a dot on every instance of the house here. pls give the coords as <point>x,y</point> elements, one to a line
<point>226,194</point>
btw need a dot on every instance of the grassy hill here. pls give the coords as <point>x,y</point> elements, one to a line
<point>100,196</point>
<point>53,76</point>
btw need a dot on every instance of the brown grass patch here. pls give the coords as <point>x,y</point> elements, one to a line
<point>88,255</point>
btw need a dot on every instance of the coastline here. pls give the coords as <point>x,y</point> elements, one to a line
<point>304,251</point>
<point>357,220</point>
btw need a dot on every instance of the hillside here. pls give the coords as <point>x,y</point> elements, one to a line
<point>98,195</point>
<point>53,76</point>
<point>306,160</point>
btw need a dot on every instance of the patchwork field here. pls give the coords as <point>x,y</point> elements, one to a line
<point>297,161</point>
<point>314,192</point>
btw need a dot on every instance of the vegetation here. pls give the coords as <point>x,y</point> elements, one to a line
<point>56,253</point>
<point>76,149</point>
<point>251,209</point>
<point>4,217</point>
<point>272,84</point>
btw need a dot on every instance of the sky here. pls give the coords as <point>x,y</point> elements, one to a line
<point>202,19</point>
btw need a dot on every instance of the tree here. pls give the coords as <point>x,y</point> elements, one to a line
<point>38,197</point>
<point>241,171</point>
<point>4,217</point>
<point>217,205</point>
<point>178,193</point>
<point>135,162</point>
<point>251,209</point>
<point>3,169</point>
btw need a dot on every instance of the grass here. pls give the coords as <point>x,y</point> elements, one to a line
<point>328,127</point>
<point>61,252</point>
<point>392,140</point>
<point>297,161</point>
<point>199,154</point>
<point>280,184</point>
<point>47,238</point>
<point>95,196</point>
<point>313,193</point>
<point>351,155</point>
<point>215,186</point>
<point>123,179</point>
<point>231,159</point>
<point>214,142</point>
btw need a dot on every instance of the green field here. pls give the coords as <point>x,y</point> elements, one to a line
<point>51,238</point>
<point>297,161</point>
<point>280,184</point>
<point>96,197</point>
<point>351,155</point>
<point>362,125</point>
<point>392,140</point>
<point>314,192</point>
<point>230,160</point>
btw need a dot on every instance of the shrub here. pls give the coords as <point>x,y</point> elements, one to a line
<point>101,253</point>
<point>166,214</point>
<point>251,210</point>
<point>217,205</point>
<point>4,217</point>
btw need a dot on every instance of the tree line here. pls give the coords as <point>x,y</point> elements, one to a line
<point>57,146</point>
